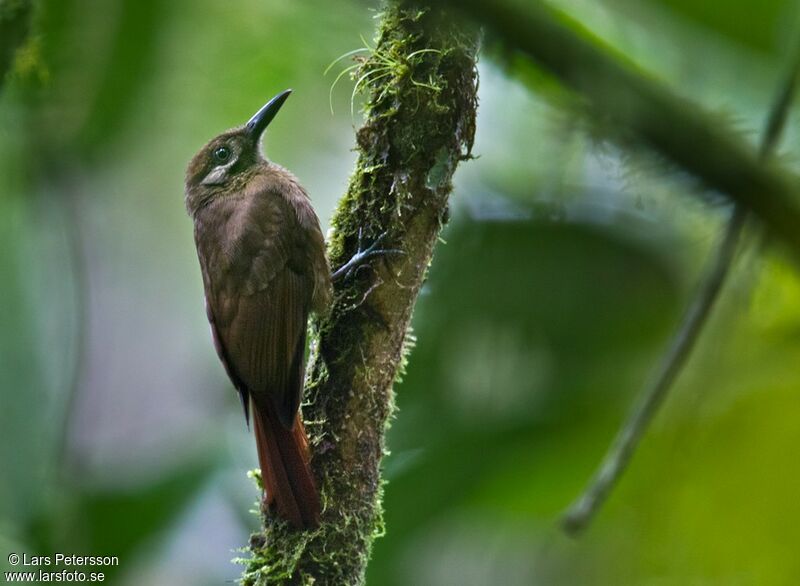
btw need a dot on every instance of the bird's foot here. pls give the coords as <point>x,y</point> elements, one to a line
<point>362,256</point>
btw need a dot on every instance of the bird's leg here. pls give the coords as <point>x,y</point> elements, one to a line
<point>362,256</point>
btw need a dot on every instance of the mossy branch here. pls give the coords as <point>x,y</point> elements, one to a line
<point>15,16</point>
<point>421,81</point>
<point>636,107</point>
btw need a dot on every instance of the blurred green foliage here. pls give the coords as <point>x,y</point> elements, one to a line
<point>565,268</point>
<point>736,21</point>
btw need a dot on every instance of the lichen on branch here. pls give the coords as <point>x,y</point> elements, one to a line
<point>421,84</point>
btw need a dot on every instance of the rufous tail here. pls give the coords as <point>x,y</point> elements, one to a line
<point>285,471</point>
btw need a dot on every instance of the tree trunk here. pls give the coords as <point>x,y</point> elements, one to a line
<point>422,83</point>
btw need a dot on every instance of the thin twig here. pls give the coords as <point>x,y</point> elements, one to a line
<point>80,282</point>
<point>616,461</point>
<point>619,454</point>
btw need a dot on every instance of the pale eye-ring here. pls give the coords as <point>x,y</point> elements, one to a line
<point>222,154</point>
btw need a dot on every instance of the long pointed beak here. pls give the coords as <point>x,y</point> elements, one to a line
<point>259,122</point>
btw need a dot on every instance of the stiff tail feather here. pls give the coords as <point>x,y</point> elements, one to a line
<point>283,455</point>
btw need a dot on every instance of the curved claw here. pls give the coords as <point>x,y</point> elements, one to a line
<point>362,255</point>
<point>369,253</point>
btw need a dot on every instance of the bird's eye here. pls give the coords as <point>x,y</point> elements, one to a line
<point>222,154</point>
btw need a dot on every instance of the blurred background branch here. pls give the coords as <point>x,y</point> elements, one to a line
<point>627,104</point>
<point>420,123</point>
<point>616,460</point>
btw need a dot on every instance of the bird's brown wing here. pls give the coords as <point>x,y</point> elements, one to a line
<point>258,304</point>
<point>259,296</point>
<point>262,340</point>
<point>244,394</point>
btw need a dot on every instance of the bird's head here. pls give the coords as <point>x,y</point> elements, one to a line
<point>226,161</point>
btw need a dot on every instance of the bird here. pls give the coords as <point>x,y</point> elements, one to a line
<point>264,271</point>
